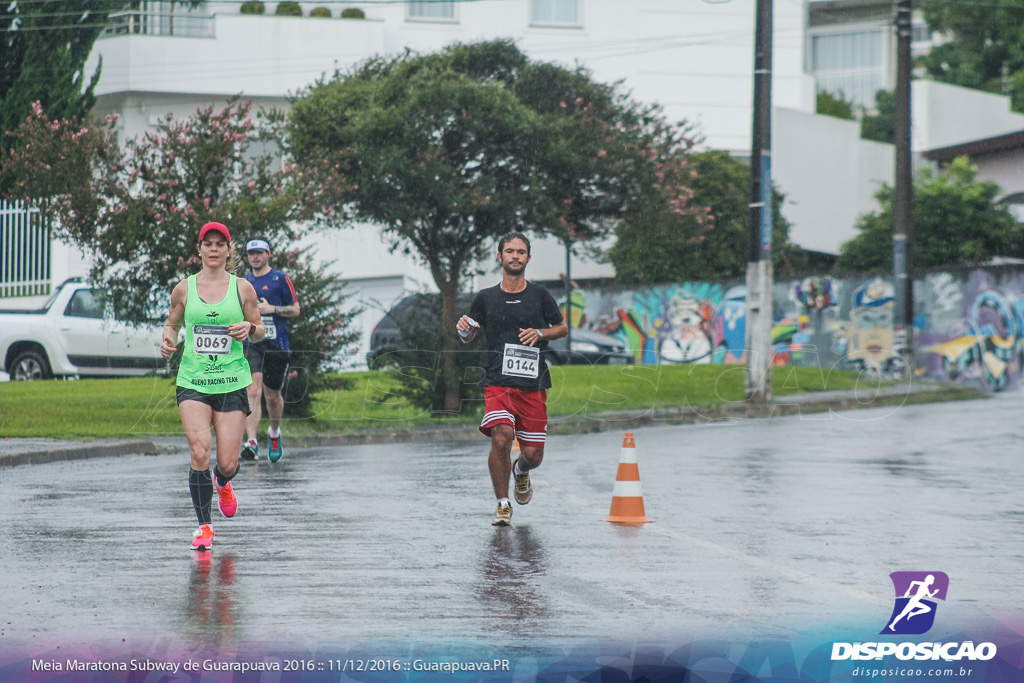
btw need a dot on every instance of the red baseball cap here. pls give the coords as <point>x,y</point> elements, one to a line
<point>219,227</point>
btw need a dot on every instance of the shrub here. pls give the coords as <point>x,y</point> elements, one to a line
<point>417,363</point>
<point>253,7</point>
<point>353,13</point>
<point>320,12</point>
<point>288,9</point>
<point>323,330</point>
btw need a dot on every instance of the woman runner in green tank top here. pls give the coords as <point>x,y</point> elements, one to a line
<point>213,362</point>
<point>219,312</point>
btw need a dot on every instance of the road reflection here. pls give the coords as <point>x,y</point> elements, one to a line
<point>211,617</point>
<point>513,561</point>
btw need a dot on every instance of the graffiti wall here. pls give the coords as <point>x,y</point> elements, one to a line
<point>968,325</point>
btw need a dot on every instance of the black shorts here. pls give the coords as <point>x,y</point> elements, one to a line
<point>269,360</point>
<point>221,403</point>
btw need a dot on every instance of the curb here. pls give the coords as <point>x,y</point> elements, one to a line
<point>824,402</point>
<point>91,449</point>
<point>811,403</point>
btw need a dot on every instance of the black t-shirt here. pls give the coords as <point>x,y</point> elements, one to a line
<point>509,362</point>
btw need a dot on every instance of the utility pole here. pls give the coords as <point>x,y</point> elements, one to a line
<point>568,295</point>
<point>758,383</point>
<point>903,193</point>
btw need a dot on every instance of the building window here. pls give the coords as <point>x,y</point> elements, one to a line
<point>555,12</point>
<point>921,37</point>
<point>432,10</point>
<point>851,64</point>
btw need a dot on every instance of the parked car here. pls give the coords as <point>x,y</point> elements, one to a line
<point>418,310</point>
<point>406,319</point>
<point>588,347</point>
<point>73,334</point>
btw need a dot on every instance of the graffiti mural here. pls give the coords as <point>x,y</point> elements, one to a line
<point>984,344</point>
<point>968,326</point>
<point>670,324</point>
<point>730,327</point>
<point>867,340</point>
<point>815,293</point>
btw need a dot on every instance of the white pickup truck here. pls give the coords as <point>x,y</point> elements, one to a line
<point>72,335</point>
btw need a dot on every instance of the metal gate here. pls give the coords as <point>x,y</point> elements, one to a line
<point>24,251</point>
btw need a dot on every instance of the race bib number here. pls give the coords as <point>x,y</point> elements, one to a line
<point>211,340</point>
<point>520,361</point>
<point>268,321</point>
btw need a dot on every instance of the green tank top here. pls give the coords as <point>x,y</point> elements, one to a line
<point>213,362</point>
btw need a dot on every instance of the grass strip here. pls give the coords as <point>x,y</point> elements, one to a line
<point>141,407</point>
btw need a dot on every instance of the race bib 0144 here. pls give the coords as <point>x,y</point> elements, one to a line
<point>520,361</point>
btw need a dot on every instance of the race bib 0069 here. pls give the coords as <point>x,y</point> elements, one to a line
<point>211,340</point>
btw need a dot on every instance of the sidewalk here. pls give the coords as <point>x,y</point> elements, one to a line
<point>16,451</point>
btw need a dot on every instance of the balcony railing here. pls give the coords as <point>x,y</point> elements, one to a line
<point>147,23</point>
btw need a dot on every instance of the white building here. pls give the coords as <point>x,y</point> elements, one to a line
<point>694,58</point>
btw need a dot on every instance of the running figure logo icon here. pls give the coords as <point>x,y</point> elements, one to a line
<point>916,595</point>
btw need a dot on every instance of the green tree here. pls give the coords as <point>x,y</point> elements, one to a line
<point>43,50</point>
<point>834,105</point>
<point>985,49</point>
<point>881,124</point>
<point>957,222</point>
<point>44,45</point>
<point>448,151</point>
<point>604,151</point>
<point>321,334</point>
<point>136,208</point>
<point>656,245</point>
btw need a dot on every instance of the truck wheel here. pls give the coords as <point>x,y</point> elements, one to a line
<point>30,365</point>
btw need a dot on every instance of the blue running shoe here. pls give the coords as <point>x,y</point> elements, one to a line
<point>275,449</point>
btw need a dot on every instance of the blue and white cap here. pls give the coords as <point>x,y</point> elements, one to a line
<point>257,245</point>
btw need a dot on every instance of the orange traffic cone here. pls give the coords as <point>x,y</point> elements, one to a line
<point>627,497</point>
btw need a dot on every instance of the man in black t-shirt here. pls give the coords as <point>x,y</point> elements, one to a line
<point>518,318</point>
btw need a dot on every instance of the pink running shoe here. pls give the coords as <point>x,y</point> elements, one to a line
<point>203,538</point>
<point>228,502</point>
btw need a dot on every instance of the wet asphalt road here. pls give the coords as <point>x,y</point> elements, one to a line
<point>760,528</point>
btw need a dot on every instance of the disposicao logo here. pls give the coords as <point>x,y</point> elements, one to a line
<point>916,595</point>
<point>913,614</point>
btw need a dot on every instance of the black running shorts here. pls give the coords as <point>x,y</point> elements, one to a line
<point>269,360</point>
<point>221,403</point>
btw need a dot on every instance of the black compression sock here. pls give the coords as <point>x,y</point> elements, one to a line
<point>200,485</point>
<point>222,481</point>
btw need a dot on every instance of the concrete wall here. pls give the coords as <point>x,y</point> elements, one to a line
<point>828,174</point>
<point>1005,168</point>
<point>969,325</point>
<point>945,115</point>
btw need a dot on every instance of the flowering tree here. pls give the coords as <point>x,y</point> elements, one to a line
<point>136,208</point>
<point>450,150</point>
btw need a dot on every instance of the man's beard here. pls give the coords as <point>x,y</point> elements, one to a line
<point>508,268</point>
